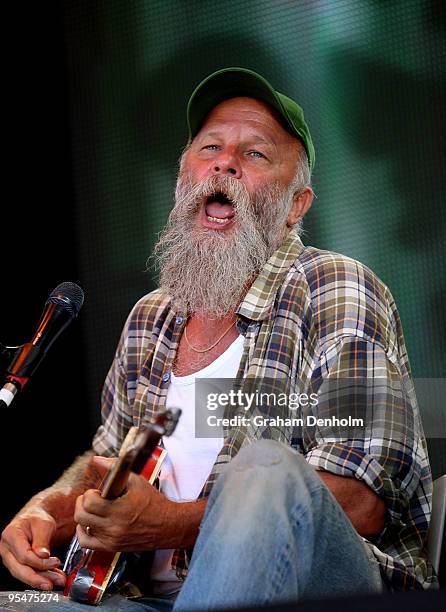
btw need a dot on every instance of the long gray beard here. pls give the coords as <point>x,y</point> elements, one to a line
<point>208,271</point>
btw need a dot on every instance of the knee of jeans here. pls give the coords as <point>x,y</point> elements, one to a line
<point>269,453</point>
<point>272,465</point>
<point>266,453</point>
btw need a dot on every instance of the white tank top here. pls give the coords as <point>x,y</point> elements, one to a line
<point>189,459</point>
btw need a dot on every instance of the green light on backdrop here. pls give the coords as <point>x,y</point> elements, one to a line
<point>370,77</point>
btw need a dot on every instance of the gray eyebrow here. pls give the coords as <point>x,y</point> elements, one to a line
<point>250,137</point>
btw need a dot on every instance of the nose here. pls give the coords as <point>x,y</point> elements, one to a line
<point>227,163</point>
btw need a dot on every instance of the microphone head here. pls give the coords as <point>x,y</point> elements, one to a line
<point>68,296</point>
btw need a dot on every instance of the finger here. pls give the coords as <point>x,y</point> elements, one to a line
<point>91,525</point>
<point>97,524</point>
<point>19,546</point>
<point>41,534</point>
<point>56,576</point>
<point>91,502</point>
<point>91,541</point>
<point>26,574</point>
<point>103,464</point>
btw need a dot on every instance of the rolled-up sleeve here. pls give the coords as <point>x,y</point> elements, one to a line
<point>358,379</point>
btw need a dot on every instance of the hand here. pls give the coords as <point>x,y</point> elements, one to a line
<point>25,549</point>
<point>141,519</point>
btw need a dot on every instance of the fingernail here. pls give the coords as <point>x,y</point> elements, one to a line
<point>51,562</point>
<point>46,586</point>
<point>44,551</point>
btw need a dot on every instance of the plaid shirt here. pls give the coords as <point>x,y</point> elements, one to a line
<point>310,316</point>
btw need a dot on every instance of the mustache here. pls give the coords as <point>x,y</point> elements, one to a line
<point>193,195</point>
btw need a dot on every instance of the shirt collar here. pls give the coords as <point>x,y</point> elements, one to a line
<point>259,300</point>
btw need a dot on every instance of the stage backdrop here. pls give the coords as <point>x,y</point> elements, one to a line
<point>370,77</point>
<point>94,123</point>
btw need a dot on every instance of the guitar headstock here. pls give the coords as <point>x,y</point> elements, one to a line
<point>167,421</point>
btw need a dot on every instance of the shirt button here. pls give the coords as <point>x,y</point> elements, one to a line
<point>166,376</point>
<point>179,320</point>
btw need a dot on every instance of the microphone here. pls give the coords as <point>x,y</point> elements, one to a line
<point>61,308</point>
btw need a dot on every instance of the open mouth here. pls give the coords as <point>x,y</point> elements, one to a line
<point>219,208</point>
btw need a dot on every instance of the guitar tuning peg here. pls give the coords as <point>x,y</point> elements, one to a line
<point>173,415</point>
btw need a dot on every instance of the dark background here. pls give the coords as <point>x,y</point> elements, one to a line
<point>46,427</point>
<point>94,104</point>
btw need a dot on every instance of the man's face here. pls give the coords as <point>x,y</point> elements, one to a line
<point>242,139</point>
<point>233,198</point>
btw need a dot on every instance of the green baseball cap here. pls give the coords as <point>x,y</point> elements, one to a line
<point>233,82</point>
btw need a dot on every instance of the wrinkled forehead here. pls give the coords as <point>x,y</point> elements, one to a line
<point>249,113</point>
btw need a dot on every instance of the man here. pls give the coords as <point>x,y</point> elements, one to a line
<point>241,297</point>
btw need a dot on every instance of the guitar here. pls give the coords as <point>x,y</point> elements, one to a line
<point>90,572</point>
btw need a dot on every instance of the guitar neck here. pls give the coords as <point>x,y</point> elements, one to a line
<point>133,458</point>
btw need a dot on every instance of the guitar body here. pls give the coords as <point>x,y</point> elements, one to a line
<point>88,581</point>
<point>90,572</point>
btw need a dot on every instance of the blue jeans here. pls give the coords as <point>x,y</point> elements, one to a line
<point>272,533</point>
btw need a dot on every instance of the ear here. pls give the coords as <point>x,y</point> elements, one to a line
<point>301,205</point>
